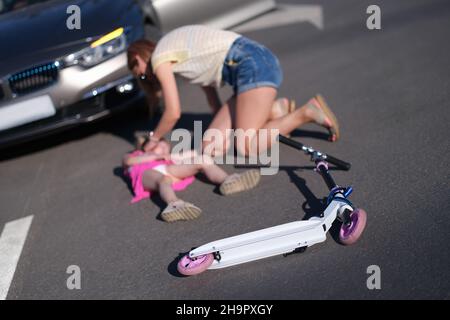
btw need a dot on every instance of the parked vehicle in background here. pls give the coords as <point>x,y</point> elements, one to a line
<point>169,14</point>
<point>53,78</point>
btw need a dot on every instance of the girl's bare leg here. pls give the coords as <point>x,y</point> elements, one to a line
<point>206,165</point>
<point>229,184</point>
<point>154,180</point>
<point>176,209</point>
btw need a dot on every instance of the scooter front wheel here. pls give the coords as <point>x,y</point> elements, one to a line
<point>191,266</point>
<point>349,234</point>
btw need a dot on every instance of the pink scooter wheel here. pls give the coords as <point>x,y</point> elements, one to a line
<point>350,234</point>
<point>190,267</point>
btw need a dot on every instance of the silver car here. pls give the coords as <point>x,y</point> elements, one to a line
<point>53,78</point>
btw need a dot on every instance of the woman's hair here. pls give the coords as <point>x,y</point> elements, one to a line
<point>144,49</point>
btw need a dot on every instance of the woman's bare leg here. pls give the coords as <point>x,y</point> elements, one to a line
<point>280,108</point>
<point>223,121</point>
<point>253,111</point>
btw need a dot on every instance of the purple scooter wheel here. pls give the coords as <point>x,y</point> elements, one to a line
<point>190,267</point>
<point>350,234</point>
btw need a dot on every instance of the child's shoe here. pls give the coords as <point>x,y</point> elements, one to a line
<point>180,210</point>
<point>238,182</point>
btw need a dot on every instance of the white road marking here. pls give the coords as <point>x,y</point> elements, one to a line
<point>12,240</point>
<point>285,15</point>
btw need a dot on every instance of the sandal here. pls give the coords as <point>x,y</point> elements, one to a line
<point>180,210</point>
<point>240,182</point>
<point>326,118</point>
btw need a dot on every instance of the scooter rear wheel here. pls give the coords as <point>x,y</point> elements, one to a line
<point>350,234</point>
<point>190,267</point>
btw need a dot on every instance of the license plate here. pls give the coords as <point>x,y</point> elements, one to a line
<point>27,111</point>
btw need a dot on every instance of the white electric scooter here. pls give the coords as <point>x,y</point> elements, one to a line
<point>286,238</point>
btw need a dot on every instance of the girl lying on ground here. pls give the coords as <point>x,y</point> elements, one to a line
<point>160,171</point>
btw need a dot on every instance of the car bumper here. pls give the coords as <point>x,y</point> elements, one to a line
<point>85,111</point>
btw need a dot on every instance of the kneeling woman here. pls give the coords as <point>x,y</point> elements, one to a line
<point>209,58</point>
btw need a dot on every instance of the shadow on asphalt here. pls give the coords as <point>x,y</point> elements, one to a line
<point>172,267</point>
<point>313,205</point>
<point>122,125</point>
<point>134,117</point>
<point>309,134</point>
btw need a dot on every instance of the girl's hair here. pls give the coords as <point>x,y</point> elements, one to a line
<point>141,138</point>
<point>144,49</point>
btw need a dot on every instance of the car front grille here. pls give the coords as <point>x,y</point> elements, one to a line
<point>33,79</point>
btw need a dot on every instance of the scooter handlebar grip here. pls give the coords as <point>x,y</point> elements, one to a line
<point>339,163</point>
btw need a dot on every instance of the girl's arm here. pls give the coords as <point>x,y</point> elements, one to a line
<point>132,160</point>
<point>213,98</point>
<point>172,110</point>
<point>184,158</point>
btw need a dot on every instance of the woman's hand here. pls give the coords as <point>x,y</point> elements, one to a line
<point>150,145</point>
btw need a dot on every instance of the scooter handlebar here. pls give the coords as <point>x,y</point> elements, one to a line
<point>339,163</point>
<point>300,146</point>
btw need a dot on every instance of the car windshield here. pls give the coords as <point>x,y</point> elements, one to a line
<point>11,5</point>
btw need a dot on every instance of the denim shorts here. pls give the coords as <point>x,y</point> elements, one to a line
<point>250,65</point>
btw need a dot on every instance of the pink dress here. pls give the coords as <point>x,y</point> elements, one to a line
<point>136,171</point>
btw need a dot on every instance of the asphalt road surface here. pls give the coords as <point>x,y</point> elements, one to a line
<point>390,89</point>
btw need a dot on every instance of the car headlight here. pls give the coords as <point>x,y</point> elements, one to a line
<point>104,48</point>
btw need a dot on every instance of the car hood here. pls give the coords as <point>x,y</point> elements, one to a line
<point>38,33</point>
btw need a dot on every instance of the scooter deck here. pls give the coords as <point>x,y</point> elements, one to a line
<point>263,243</point>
